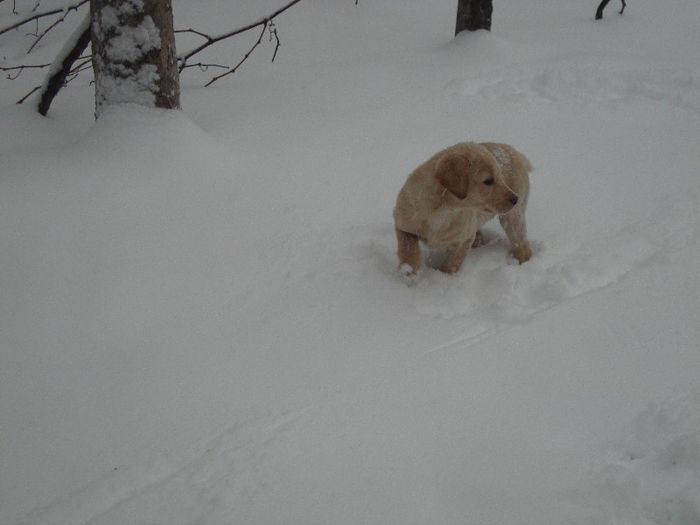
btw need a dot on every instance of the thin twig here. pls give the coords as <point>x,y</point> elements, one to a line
<point>76,71</point>
<point>233,70</point>
<point>190,30</point>
<point>23,66</point>
<point>276,36</point>
<point>83,66</point>
<point>25,97</point>
<point>20,69</point>
<point>43,34</point>
<point>85,59</point>
<point>36,29</point>
<point>211,40</point>
<point>204,66</point>
<point>37,16</point>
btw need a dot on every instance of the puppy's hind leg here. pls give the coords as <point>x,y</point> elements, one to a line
<point>409,253</point>
<point>513,223</point>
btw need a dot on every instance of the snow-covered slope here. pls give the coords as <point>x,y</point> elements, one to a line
<point>200,318</point>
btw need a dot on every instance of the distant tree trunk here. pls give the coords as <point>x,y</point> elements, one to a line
<point>473,15</point>
<point>601,6</point>
<point>134,57</point>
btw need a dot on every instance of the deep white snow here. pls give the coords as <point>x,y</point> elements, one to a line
<point>201,319</point>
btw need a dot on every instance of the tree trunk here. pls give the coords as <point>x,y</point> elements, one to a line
<point>599,11</point>
<point>134,57</point>
<point>601,6</point>
<point>473,15</point>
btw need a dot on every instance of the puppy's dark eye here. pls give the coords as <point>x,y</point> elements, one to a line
<point>490,181</point>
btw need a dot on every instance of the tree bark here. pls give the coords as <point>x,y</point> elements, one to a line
<point>473,15</point>
<point>133,53</point>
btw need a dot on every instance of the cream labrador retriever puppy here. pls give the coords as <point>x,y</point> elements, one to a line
<point>448,197</point>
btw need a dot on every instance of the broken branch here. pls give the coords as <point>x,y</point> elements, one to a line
<point>64,68</point>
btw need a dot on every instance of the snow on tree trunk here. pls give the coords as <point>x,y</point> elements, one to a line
<point>473,15</point>
<point>134,55</point>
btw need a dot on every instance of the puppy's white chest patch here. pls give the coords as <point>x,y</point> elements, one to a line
<point>445,227</point>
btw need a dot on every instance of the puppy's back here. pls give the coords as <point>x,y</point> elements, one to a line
<point>514,165</point>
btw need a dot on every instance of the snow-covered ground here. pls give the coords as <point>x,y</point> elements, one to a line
<point>200,317</point>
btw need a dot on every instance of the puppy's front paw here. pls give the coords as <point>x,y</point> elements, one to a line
<point>522,253</point>
<point>408,273</point>
<point>449,267</point>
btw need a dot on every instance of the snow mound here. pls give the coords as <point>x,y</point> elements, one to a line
<point>653,477</point>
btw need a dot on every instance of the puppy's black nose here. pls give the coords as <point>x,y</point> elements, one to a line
<point>513,199</point>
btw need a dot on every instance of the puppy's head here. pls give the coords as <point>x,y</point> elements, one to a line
<point>474,178</point>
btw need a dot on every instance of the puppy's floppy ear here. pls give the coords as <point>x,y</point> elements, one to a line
<point>452,171</point>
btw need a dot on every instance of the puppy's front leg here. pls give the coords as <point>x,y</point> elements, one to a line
<point>455,257</point>
<point>409,253</point>
<point>513,223</point>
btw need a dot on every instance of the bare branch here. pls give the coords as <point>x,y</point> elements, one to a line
<point>203,67</point>
<point>190,30</point>
<point>44,33</point>
<point>83,66</point>
<point>21,68</point>
<point>25,97</point>
<point>276,36</point>
<point>233,70</point>
<point>211,40</point>
<point>37,16</point>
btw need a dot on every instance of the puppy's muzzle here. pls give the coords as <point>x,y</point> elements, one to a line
<point>507,204</point>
